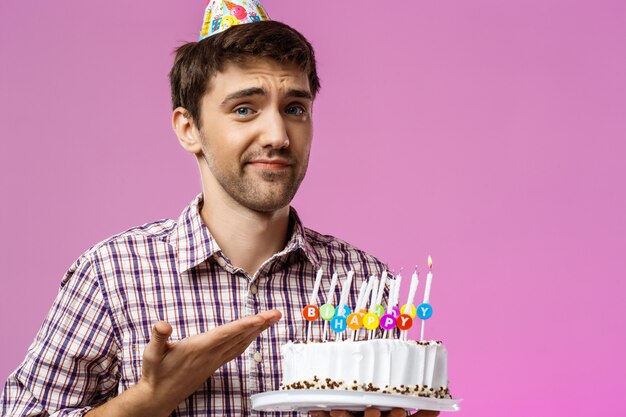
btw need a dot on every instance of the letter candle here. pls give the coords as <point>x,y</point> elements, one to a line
<point>313,299</point>
<point>396,290</point>
<point>330,296</point>
<point>344,295</point>
<point>429,279</point>
<point>370,319</point>
<point>363,301</point>
<point>380,293</point>
<point>354,320</point>
<point>378,308</point>
<point>409,307</point>
<point>390,303</point>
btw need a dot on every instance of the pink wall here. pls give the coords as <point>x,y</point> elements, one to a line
<point>490,134</point>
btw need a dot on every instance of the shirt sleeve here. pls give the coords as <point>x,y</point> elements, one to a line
<point>72,365</point>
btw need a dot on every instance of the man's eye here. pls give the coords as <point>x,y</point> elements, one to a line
<point>296,110</point>
<point>243,111</point>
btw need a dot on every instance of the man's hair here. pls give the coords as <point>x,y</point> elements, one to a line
<point>197,62</point>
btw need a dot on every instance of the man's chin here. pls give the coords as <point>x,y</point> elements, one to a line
<point>269,199</point>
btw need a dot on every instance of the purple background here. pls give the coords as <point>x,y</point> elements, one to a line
<point>489,134</point>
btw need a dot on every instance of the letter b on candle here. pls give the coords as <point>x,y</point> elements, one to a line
<point>310,312</point>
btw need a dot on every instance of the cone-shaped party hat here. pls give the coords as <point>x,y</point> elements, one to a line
<point>219,15</point>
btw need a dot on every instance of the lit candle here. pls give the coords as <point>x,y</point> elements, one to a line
<point>429,280</point>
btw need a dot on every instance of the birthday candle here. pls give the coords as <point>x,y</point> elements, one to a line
<point>331,290</point>
<point>329,297</point>
<point>381,288</point>
<point>390,302</point>
<point>396,295</point>
<point>344,294</point>
<point>316,286</point>
<point>313,299</point>
<point>374,294</point>
<point>363,302</point>
<point>359,301</point>
<point>408,307</point>
<point>392,295</point>
<point>412,290</point>
<point>345,291</point>
<point>429,279</point>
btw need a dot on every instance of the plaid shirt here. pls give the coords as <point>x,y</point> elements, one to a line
<point>90,346</point>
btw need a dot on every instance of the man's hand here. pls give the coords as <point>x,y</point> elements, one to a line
<point>375,412</point>
<point>173,371</point>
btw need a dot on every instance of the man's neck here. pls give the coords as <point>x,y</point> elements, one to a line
<point>248,238</point>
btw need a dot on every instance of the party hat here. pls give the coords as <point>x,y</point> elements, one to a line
<point>219,15</point>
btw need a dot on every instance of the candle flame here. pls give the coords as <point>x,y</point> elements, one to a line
<point>430,262</point>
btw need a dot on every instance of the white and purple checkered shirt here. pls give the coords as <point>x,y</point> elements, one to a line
<point>90,346</point>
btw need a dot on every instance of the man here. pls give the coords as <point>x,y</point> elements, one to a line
<point>184,317</point>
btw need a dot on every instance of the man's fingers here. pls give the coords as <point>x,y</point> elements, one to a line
<point>318,413</point>
<point>371,412</point>
<point>158,345</point>
<point>425,413</point>
<point>340,413</point>
<point>245,326</point>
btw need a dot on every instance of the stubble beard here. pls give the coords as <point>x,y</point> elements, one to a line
<point>263,191</point>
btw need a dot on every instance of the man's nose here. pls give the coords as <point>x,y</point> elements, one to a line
<point>274,131</point>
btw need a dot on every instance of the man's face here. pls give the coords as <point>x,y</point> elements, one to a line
<point>256,132</point>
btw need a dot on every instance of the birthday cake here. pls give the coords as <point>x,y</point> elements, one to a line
<point>388,366</point>
<point>374,355</point>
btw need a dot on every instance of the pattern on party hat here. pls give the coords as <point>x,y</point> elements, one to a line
<point>219,15</point>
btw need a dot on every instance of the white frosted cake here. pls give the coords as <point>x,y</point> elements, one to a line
<point>388,366</point>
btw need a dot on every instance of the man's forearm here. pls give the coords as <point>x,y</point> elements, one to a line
<point>137,401</point>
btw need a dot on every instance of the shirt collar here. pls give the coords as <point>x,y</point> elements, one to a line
<point>194,243</point>
<point>192,240</point>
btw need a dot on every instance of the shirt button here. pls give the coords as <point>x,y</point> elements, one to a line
<point>253,289</point>
<point>257,357</point>
<point>221,261</point>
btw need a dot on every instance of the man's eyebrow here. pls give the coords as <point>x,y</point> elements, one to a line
<point>246,92</point>
<point>299,94</point>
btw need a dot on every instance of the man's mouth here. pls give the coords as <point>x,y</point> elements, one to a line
<point>270,164</point>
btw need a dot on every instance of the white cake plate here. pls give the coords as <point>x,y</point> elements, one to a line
<point>324,399</point>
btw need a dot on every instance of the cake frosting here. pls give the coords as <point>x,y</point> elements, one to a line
<point>390,366</point>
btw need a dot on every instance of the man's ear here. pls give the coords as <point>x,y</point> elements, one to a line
<point>186,130</point>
